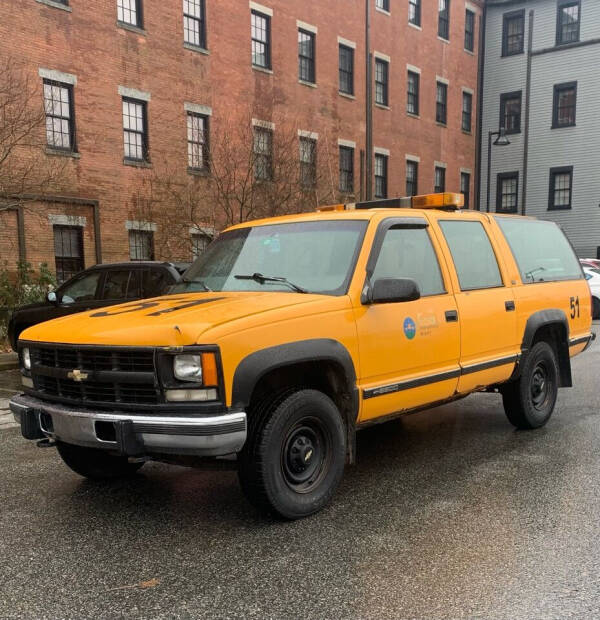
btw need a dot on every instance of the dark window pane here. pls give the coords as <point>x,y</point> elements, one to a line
<point>155,282</point>
<point>565,101</point>
<point>306,56</point>
<point>129,12</point>
<point>467,111</point>
<point>412,94</point>
<point>568,23</point>
<point>59,116</point>
<point>263,154</point>
<point>440,180</point>
<point>135,139</point>
<point>414,12</point>
<point>444,19</point>
<point>560,188</point>
<point>346,70</point>
<point>197,138</point>
<point>68,251</point>
<point>381,171</point>
<point>412,173</point>
<point>261,39</point>
<point>383,4</point>
<point>473,255</point>
<point>82,289</point>
<point>441,112</point>
<point>507,192</point>
<point>510,112</point>
<point>308,162</point>
<point>410,254</point>
<point>513,33</point>
<point>381,81</point>
<point>465,188</point>
<point>141,245</point>
<point>469,30</point>
<point>346,169</point>
<point>193,22</point>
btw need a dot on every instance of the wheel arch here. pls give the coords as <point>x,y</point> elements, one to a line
<point>320,363</point>
<point>552,326</point>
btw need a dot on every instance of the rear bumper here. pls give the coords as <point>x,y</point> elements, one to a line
<point>131,434</point>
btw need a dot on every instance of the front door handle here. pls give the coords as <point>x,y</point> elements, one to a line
<point>509,305</point>
<point>451,316</point>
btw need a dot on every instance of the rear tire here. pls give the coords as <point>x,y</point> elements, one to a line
<point>96,464</point>
<point>529,401</point>
<point>595,308</point>
<point>293,460</point>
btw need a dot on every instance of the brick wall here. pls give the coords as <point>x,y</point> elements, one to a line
<point>86,42</point>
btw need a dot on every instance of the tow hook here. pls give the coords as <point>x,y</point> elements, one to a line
<point>45,443</point>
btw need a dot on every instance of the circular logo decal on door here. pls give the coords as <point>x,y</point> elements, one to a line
<point>410,329</point>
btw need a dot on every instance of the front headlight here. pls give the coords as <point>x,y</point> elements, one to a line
<point>188,368</point>
<point>26,358</point>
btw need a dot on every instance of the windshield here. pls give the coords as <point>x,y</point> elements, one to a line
<point>316,256</point>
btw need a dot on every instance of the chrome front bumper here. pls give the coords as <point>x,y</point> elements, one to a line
<point>131,434</point>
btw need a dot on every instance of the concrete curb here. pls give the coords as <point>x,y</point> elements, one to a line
<point>8,361</point>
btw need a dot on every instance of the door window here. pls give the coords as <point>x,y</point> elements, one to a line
<point>82,289</point>
<point>155,282</point>
<point>473,255</point>
<point>121,285</point>
<point>408,253</point>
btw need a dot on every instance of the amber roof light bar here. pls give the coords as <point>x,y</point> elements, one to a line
<point>444,200</point>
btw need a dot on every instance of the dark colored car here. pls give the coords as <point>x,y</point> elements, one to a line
<point>98,286</point>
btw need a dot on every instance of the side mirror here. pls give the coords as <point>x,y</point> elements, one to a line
<point>394,290</point>
<point>51,297</point>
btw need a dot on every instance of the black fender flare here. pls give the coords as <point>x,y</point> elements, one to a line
<point>258,364</point>
<point>551,317</point>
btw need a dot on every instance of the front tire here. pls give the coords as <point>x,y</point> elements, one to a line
<point>96,464</point>
<point>293,460</point>
<point>529,401</point>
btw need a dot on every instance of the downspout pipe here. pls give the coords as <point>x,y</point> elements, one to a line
<point>479,136</point>
<point>527,107</point>
<point>368,105</point>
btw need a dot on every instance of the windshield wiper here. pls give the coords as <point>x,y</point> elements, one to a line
<point>258,277</point>
<point>188,281</point>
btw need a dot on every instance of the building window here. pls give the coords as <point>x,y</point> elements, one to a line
<point>561,188</point>
<point>565,103</point>
<point>200,241</point>
<point>412,93</point>
<point>306,56</point>
<point>381,173</point>
<point>130,12</point>
<point>444,19</point>
<point>469,30</point>
<point>381,81</point>
<point>465,188</point>
<point>412,178</point>
<point>346,70</point>
<point>135,129</point>
<point>510,112</point>
<point>263,154</point>
<point>60,119</point>
<point>194,25</point>
<point>141,245</point>
<point>308,163</point>
<point>567,22</point>
<point>68,251</point>
<point>384,5</point>
<point>261,40</point>
<point>440,180</point>
<point>513,33</point>
<point>441,103</point>
<point>197,137</point>
<point>467,111</point>
<point>414,12</point>
<point>507,192</point>
<point>346,169</point>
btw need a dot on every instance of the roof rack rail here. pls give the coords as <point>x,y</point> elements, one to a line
<point>444,200</point>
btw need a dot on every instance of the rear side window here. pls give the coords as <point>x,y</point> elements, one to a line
<point>408,253</point>
<point>155,282</point>
<point>541,250</point>
<point>473,255</point>
<point>121,285</point>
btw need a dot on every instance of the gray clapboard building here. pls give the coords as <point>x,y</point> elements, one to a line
<point>541,84</point>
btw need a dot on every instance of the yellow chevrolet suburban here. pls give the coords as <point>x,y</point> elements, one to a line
<point>290,334</point>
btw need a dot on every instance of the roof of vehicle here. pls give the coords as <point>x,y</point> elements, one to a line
<point>137,263</point>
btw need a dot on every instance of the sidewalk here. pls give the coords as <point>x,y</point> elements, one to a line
<point>8,361</point>
<point>6,417</point>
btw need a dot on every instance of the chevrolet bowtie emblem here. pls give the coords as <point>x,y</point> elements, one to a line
<point>77,375</point>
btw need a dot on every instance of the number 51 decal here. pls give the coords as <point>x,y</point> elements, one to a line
<point>574,307</point>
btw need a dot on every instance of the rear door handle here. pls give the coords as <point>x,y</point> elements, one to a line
<point>509,305</point>
<point>451,316</point>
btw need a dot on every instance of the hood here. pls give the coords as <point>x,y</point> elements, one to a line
<point>171,320</point>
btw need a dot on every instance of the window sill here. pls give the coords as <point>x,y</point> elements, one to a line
<point>446,41</point>
<point>310,84</point>
<point>467,133</point>
<point>381,106</point>
<point>131,28</point>
<point>440,124</point>
<point>561,43</point>
<point>347,95</point>
<point>415,26</point>
<point>56,5</point>
<point>560,208</point>
<point>512,133</point>
<point>136,163</point>
<point>73,154</point>
<point>505,55</point>
<point>380,10</point>
<point>563,126</point>
<point>471,52</point>
<point>195,48</point>
<point>262,69</point>
<point>411,115</point>
<point>198,172</point>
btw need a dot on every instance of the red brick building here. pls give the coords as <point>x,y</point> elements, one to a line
<point>130,85</point>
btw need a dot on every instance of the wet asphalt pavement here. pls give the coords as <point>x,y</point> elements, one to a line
<point>449,513</point>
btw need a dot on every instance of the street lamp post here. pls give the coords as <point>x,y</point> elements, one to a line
<point>501,140</point>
